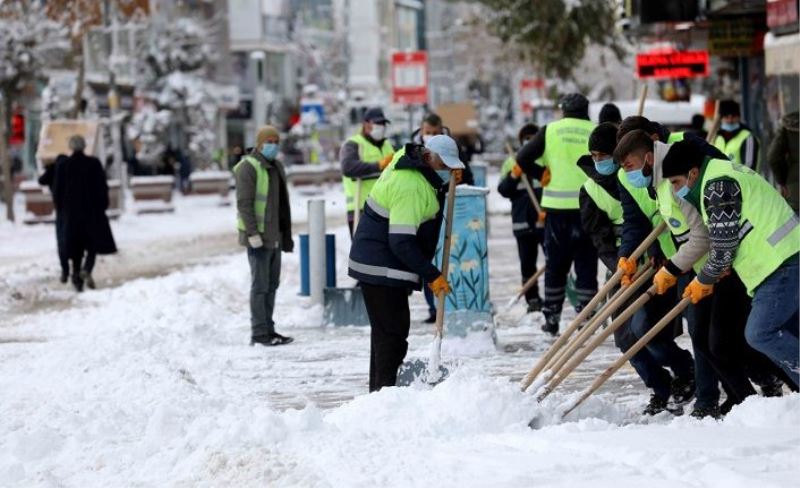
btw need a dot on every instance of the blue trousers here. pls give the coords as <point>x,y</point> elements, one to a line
<point>772,327</point>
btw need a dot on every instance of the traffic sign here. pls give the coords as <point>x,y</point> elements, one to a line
<point>410,77</point>
<point>529,91</point>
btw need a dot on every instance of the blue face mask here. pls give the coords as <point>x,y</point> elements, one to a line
<point>638,179</point>
<point>269,150</point>
<point>605,166</point>
<point>682,192</point>
<point>729,126</point>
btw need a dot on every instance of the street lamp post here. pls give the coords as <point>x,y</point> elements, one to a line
<point>110,23</point>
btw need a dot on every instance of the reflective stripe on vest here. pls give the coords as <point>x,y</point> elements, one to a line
<point>383,272</point>
<point>262,189</point>
<point>566,140</point>
<point>649,208</point>
<point>769,227</point>
<point>677,223</point>
<point>733,147</point>
<point>367,153</point>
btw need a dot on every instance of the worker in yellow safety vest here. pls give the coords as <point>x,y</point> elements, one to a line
<point>735,139</point>
<point>363,156</point>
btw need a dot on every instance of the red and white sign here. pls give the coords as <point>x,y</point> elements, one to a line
<point>410,77</point>
<point>781,12</point>
<point>672,64</point>
<point>529,90</point>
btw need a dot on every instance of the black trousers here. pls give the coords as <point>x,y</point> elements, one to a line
<point>528,249</point>
<point>83,262</point>
<point>724,315</point>
<point>389,319</point>
<point>567,244</point>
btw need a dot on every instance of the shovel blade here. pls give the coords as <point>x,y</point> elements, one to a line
<point>417,370</point>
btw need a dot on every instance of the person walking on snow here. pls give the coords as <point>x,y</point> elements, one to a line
<point>80,196</point>
<point>557,148</point>
<point>363,156</point>
<point>394,245</point>
<point>526,223</point>
<point>265,229</point>
<point>48,179</point>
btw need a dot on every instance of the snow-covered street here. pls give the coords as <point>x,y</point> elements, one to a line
<point>149,381</point>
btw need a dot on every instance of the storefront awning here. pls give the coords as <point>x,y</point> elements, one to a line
<point>782,54</point>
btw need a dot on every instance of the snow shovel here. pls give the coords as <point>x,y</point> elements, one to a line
<point>594,323</point>
<point>588,310</point>
<point>433,372</point>
<point>527,286</point>
<point>605,375</point>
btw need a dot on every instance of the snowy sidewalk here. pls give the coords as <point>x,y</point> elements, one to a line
<point>151,383</point>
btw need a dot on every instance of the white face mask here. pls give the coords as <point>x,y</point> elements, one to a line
<point>378,132</point>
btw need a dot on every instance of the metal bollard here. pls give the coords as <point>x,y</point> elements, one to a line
<point>316,249</point>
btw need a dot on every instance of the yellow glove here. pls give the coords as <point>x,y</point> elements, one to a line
<point>696,291</point>
<point>458,174</point>
<point>664,280</point>
<point>439,286</point>
<point>545,179</point>
<point>516,172</point>
<point>385,161</point>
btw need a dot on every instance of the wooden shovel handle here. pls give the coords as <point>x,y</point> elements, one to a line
<point>448,234</point>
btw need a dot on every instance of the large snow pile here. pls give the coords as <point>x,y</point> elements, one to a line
<point>152,384</point>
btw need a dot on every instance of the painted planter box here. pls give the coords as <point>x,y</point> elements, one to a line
<point>468,306</point>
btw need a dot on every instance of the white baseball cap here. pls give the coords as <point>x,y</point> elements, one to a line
<point>447,149</point>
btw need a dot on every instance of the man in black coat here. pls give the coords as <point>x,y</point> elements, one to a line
<point>47,179</point>
<point>80,194</point>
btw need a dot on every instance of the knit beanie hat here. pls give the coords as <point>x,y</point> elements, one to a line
<point>264,133</point>
<point>681,157</point>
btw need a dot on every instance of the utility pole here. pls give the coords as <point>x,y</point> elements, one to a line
<point>112,30</point>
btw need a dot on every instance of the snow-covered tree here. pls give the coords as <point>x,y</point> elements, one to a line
<point>30,41</point>
<point>174,79</point>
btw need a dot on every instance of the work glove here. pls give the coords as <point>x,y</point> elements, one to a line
<point>382,164</point>
<point>696,291</point>
<point>664,280</point>
<point>545,179</point>
<point>439,286</point>
<point>255,241</point>
<point>542,216</point>
<point>628,267</point>
<point>458,174</point>
<point>516,172</point>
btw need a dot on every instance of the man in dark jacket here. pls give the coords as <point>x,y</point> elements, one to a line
<point>557,148</point>
<point>47,179</point>
<point>526,223</point>
<point>80,194</point>
<point>394,245</point>
<point>783,159</point>
<point>265,229</point>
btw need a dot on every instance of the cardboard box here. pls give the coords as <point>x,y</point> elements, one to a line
<point>55,134</point>
<point>460,118</point>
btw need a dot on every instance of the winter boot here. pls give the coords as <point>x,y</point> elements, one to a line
<point>535,305</point>
<point>703,412</point>
<point>551,324</point>
<point>655,406</point>
<point>271,340</point>
<point>771,386</point>
<point>64,276</point>
<point>431,318</point>
<point>682,389</point>
<point>77,282</point>
<point>87,278</point>
<point>726,406</point>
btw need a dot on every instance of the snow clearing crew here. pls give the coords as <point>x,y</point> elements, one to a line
<point>526,223</point>
<point>754,233</point>
<point>394,245</point>
<point>362,156</point>
<point>265,229</point>
<point>603,219</point>
<point>555,150</point>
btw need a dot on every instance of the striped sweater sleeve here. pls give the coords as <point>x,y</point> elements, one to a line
<point>723,202</point>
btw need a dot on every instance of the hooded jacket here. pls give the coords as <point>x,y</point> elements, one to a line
<point>695,245</point>
<point>595,221</point>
